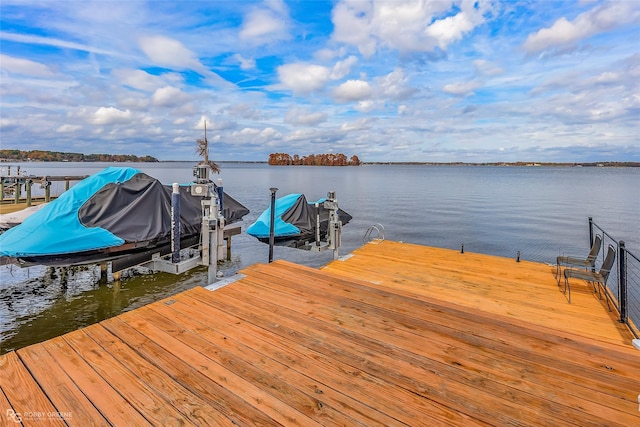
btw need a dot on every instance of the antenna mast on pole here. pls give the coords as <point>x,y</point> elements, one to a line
<point>206,144</point>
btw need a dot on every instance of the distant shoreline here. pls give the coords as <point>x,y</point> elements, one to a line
<point>509,164</point>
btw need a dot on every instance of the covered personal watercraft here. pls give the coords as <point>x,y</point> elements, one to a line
<point>114,213</point>
<point>295,221</point>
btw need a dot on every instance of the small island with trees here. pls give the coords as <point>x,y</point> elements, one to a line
<point>330,159</point>
<point>55,156</point>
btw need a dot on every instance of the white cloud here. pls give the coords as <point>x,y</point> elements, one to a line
<point>245,63</point>
<point>462,89</point>
<point>269,133</point>
<point>405,25</point>
<point>109,115</point>
<point>597,20</point>
<point>138,79</point>
<point>169,96</point>
<point>352,25</point>
<point>68,128</point>
<point>395,85</point>
<point>48,41</point>
<point>167,52</point>
<point>25,67</point>
<point>365,106</point>
<point>343,68</point>
<point>133,102</point>
<point>305,117</point>
<point>352,90</point>
<point>450,29</point>
<point>266,24</point>
<point>487,68</point>
<point>303,78</point>
<point>360,124</point>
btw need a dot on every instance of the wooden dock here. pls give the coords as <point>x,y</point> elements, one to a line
<point>396,334</point>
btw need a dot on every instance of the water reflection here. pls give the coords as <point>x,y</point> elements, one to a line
<point>48,302</point>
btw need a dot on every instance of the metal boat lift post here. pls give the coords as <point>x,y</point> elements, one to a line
<point>334,232</point>
<point>212,229</point>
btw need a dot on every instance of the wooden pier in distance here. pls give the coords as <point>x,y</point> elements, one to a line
<point>392,335</point>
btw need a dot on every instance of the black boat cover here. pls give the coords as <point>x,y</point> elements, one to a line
<point>106,210</point>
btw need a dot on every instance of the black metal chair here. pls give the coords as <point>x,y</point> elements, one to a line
<point>598,278</point>
<point>588,263</point>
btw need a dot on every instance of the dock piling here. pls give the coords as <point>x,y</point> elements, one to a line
<point>272,223</point>
<point>175,223</point>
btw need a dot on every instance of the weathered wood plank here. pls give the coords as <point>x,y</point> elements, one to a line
<point>8,411</point>
<point>269,364</point>
<point>186,374</point>
<point>400,330</point>
<point>152,407</point>
<point>27,400</point>
<point>346,378</point>
<point>192,406</point>
<point>385,362</point>
<point>532,300</point>
<point>574,346</point>
<point>108,401</point>
<point>216,347</point>
<point>461,385</point>
<point>75,408</point>
<point>267,403</point>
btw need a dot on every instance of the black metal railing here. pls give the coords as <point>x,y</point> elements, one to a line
<point>623,285</point>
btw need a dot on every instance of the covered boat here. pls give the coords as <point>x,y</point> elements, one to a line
<point>295,221</point>
<point>116,212</point>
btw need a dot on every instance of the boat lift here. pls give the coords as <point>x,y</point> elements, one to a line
<point>212,232</point>
<point>334,230</point>
<point>320,240</point>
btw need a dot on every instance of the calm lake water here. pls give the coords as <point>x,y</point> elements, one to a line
<point>539,211</point>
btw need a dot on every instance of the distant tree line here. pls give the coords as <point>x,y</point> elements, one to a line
<point>55,156</point>
<point>331,159</point>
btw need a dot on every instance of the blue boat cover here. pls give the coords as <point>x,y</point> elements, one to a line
<point>261,227</point>
<point>106,210</point>
<point>56,228</point>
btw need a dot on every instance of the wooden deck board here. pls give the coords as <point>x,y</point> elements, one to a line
<point>197,410</point>
<point>328,374</point>
<point>408,319</point>
<point>28,400</point>
<point>395,335</point>
<point>61,390</point>
<point>530,292</point>
<point>402,330</point>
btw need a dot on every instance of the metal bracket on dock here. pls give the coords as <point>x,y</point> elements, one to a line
<point>165,265</point>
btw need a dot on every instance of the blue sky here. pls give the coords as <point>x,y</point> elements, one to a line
<point>469,81</point>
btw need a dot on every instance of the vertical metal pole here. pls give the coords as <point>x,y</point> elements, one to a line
<point>622,281</point>
<point>272,223</point>
<point>47,192</point>
<point>590,231</point>
<point>213,228</point>
<point>27,185</point>
<point>220,196</point>
<point>318,224</point>
<point>175,223</point>
<point>1,188</point>
<point>66,185</point>
<point>18,190</point>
